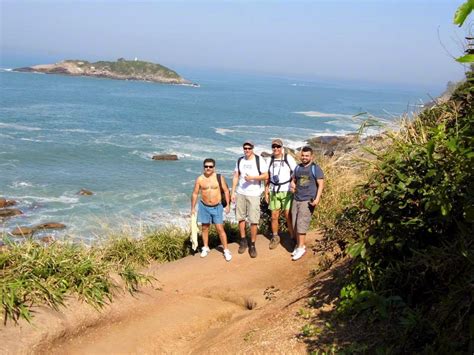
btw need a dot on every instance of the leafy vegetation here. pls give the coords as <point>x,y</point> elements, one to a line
<point>409,232</point>
<point>460,17</point>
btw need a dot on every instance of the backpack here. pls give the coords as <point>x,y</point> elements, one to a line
<point>223,200</point>
<point>279,183</point>
<point>257,160</point>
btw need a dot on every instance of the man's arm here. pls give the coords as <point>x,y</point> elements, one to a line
<point>320,183</point>
<point>267,190</point>
<point>261,177</point>
<point>235,180</point>
<point>194,196</point>
<point>226,193</point>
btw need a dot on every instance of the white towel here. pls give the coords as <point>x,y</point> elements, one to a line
<point>194,232</point>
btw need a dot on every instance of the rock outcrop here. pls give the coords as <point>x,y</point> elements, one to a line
<point>121,70</point>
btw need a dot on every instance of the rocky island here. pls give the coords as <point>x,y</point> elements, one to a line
<point>121,69</point>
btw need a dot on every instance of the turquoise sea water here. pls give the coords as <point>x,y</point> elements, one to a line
<point>59,134</point>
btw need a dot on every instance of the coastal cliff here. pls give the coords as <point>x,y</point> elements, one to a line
<point>120,70</point>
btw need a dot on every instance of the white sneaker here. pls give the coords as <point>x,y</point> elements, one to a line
<point>227,255</point>
<point>299,252</point>
<point>294,250</point>
<point>205,251</point>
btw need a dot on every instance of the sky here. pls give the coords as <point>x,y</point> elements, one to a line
<point>404,41</point>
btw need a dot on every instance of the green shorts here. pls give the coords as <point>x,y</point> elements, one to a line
<point>280,201</point>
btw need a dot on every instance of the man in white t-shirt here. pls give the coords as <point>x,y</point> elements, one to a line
<point>249,173</point>
<point>277,189</point>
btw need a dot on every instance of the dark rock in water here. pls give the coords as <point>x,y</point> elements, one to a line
<point>85,192</point>
<point>22,231</point>
<point>9,212</point>
<point>6,203</point>
<point>50,225</point>
<point>165,157</point>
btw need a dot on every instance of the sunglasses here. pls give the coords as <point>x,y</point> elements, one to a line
<point>275,146</point>
<point>209,166</point>
<point>248,148</point>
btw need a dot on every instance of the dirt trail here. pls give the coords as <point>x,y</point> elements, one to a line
<point>198,305</point>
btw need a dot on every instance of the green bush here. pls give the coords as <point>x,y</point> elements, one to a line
<point>410,230</point>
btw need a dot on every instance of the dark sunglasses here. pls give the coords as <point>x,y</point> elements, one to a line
<point>248,148</point>
<point>208,166</point>
<point>275,146</point>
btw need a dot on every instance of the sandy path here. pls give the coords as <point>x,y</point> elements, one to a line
<point>201,307</point>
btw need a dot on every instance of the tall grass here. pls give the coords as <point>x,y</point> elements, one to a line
<point>339,184</point>
<point>32,273</point>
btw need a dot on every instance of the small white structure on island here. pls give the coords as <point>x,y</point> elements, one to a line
<point>136,59</point>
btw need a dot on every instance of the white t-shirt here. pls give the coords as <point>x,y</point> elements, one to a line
<point>249,167</point>
<point>281,169</point>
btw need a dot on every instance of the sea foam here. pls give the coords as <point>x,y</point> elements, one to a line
<point>322,114</point>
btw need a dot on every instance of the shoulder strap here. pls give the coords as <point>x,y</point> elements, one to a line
<point>313,171</point>
<point>257,160</point>
<point>272,160</point>
<point>238,164</point>
<point>285,158</point>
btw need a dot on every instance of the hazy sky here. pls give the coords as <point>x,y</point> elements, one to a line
<point>379,40</point>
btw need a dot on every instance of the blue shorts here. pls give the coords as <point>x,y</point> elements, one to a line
<point>210,214</point>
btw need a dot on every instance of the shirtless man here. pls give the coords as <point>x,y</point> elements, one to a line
<point>210,209</point>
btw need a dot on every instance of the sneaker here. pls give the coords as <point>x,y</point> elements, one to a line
<point>298,253</point>
<point>296,247</point>
<point>242,245</point>
<point>253,251</point>
<point>274,242</point>
<point>205,251</point>
<point>227,255</point>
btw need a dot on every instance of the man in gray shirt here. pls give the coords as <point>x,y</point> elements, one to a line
<point>308,184</point>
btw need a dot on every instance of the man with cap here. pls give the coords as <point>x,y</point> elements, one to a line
<point>277,189</point>
<point>249,173</point>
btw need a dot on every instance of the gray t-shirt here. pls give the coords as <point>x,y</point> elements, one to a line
<point>306,176</point>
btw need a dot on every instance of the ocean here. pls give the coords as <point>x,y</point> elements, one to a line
<point>60,134</point>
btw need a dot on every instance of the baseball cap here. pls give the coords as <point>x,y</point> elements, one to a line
<point>248,142</point>
<point>277,141</point>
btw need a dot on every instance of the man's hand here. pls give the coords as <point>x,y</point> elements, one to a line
<point>249,178</point>
<point>315,202</point>
<point>227,209</point>
<point>292,186</point>
<point>232,197</point>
